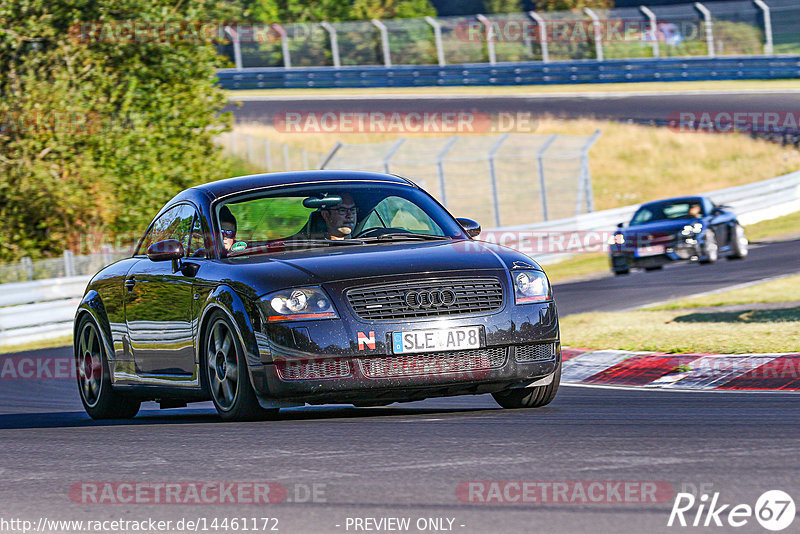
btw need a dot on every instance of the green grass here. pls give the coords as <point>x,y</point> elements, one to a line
<point>781,226</point>
<point>785,289</point>
<point>677,327</point>
<point>681,331</point>
<point>729,85</point>
<point>580,265</point>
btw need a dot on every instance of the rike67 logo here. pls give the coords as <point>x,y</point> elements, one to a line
<point>774,510</point>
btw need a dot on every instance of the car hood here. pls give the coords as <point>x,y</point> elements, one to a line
<point>265,273</point>
<point>657,228</point>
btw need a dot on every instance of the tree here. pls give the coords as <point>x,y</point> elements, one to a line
<point>561,5</point>
<point>503,6</point>
<point>98,130</point>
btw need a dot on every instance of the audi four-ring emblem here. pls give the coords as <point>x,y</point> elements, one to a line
<point>433,298</point>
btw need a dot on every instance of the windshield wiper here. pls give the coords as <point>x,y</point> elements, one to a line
<point>403,237</point>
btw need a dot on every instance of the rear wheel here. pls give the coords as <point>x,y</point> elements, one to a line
<point>622,272</point>
<point>94,379</point>
<point>710,248</point>
<point>740,246</point>
<point>226,374</point>
<point>654,268</point>
<point>534,397</point>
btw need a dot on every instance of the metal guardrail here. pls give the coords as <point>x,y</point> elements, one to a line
<point>45,308</point>
<point>522,73</point>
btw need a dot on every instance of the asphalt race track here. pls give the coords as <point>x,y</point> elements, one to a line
<point>408,460</point>
<point>617,106</point>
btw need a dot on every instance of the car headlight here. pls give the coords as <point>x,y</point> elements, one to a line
<point>530,286</point>
<point>690,229</point>
<point>297,304</point>
<point>616,239</point>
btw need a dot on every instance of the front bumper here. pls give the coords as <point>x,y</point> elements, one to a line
<point>322,361</point>
<point>625,257</point>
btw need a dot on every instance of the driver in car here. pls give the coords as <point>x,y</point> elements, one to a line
<point>340,221</point>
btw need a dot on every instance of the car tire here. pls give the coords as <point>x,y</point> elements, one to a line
<point>620,273</point>
<point>740,246</point>
<point>534,397</point>
<point>654,268</point>
<point>225,375</point>
<point>710,248</point>
<point>98,396</point>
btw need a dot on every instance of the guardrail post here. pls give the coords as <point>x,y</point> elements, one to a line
<point>437,36</point>
<point>267,154</point>
<point>305,159</point>
<point>598,33</point>
<point>709,31</point>
<point>105,254</point>
<point>237,48</point>
<point>392,151</point>
<point>487,26</point>
<point>542,34</point>
<point>331,155</point>
<point>286,162</point>
<point>440,168</point>
<point>287,58</point>
<point>387,56</point>
<point>334,43</point>
<point>653,28</point>
<point>542,183</point>
<point>232,142</point>
<point>767,26</point>
<point>493,177</point>
<point>250,148</point>
<point>69,263</point>
<point>586,174</point>
<point>27,266</point>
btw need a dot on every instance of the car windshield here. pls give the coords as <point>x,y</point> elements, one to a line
<point>673,209</point>
<point>330,215</point>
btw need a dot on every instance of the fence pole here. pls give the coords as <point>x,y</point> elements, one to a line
<point>267,154</point>
<point>440,168</point>
<point>334,43</point>
<point>487,26</point>
<point>392,151</point>
<point>387,56</point>
<point>586,171</point>
<point>232,143</point>
<point>540,162</point>
<point>709,31</point>
<point>287,58</point>
<point>542,34</point>
<point>305,159</point>
<point>767,26</point>
<point>237,48</point>
<point>105,254</point>
<point>250,157</point>
<point>27,266</point>
<point>493,177</point>
<point>437,36</point>
<point>286,162</point>
<point>69,263</point>
<point>331,155</point>
<point>598,32</point>
<point>653,28</point>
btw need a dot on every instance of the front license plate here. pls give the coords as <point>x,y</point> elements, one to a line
<point>416,341</point>
<point>650,251</point>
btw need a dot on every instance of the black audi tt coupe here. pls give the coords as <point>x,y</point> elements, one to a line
<point>286,289</point>
<point>677,229</point>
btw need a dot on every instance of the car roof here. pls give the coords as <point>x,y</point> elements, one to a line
<point>694,198</point>
<point>222,188</point>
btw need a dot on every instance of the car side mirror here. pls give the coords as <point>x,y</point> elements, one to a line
<point>169,249</point>
<point>472,228</point>
<point>620,225</point>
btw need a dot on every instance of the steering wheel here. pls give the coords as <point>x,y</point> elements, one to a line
<point>377,232</point>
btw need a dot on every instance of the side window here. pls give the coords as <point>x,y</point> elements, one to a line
<point>397,212</point>
<point>197,245</point>
<point>176,223</point>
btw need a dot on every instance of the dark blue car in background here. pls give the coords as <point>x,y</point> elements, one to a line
<point>677,229</point>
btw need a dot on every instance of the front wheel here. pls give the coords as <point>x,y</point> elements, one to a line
<point>710,248</point>
<point>94,379</point>
<point>534,397</point>
<point>226,374</point>
<point>740,245</point>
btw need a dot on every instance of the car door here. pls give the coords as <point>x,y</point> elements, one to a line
<point>158,301</point>
<point>722,224</point>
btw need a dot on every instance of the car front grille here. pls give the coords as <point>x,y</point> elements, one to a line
<point>313,369</point>
<point>434,363</point>
<point>534,353</point>
<point>400,301</point>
